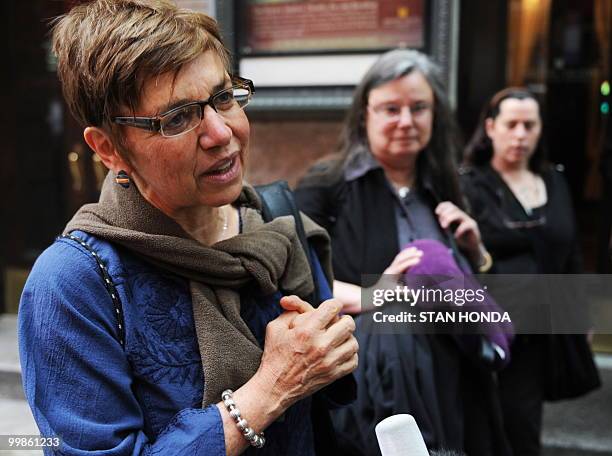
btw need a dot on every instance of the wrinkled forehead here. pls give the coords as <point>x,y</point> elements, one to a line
<point>194,80</point>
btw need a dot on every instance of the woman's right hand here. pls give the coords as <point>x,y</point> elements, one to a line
<point>307,349</point>
<point>403,261</point>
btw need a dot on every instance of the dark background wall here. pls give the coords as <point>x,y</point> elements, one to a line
<point>482,57</point>
<point>31,175</point>
<point>31,207</point>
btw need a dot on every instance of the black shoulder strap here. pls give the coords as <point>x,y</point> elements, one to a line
<point>278,201</point>
<point>108,284</point>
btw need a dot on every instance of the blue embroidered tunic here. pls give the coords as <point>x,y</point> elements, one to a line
<point>103,399</point>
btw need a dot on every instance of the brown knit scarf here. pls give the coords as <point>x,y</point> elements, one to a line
<point>268,255</point>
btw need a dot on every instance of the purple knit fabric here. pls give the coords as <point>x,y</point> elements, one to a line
<point>439,269</point>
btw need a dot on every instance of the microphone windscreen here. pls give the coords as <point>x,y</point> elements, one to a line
<point>399,435</point>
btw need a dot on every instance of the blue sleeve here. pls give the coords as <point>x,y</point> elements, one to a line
<point>76,375</point>
<point>325,291</point>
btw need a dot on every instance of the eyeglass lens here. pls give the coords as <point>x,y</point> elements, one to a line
<point>392,112</point>
<point>186,118</point>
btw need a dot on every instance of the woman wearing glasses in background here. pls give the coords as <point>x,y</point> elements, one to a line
<point>524,210</point>
<point>395,182</point>
<point>155,325</point>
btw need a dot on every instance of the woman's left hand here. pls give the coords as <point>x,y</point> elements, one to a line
<point>464,228</point>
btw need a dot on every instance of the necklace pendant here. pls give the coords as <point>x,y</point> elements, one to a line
<point>403,192</point>
<point>225,221</point>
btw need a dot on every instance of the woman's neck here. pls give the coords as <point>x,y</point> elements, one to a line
<point>209,225</point>
<point>401,177</point>
<point>528,187</point>
<point>509,169</point>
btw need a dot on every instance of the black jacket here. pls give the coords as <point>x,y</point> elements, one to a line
<point>520,243</point>
<point>543,243</point>
<point>359,215</point>
<point>399,373</point>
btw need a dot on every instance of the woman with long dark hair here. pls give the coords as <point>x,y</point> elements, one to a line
<point>524,210</point>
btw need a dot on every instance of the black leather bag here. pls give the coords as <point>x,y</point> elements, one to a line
<point>571,371</point>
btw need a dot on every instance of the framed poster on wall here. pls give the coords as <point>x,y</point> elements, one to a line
<point>321,26</point>
<point>309,54</point>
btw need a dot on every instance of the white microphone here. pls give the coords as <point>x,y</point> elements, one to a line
<point>399,435</point>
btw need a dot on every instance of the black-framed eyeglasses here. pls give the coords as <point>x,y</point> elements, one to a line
<point>185,118</point>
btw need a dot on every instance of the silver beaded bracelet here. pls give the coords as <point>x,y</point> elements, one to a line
<point>256,440</point>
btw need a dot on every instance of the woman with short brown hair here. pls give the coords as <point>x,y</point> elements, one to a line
<point>157,322</point>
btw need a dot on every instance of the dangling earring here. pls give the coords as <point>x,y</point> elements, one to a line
<point>122,179</point>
